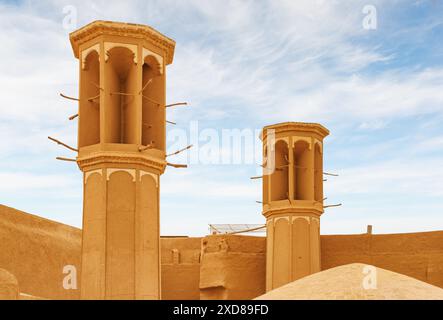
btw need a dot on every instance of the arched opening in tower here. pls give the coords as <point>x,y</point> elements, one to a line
<point>153,109</point>
<point>301,170</point>
<point>121,80</point>
<point>318,173</point>
<point>89,106</point>
<point>280,178</point>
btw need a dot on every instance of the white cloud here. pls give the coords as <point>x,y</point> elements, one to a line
<point>418,178</point>
<point>430,144</point>
<point>388,96</point>
<point>255,63</point>
<point>373,125</point>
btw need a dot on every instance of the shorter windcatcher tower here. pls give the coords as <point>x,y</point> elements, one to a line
<point>292,199</point>
<point>121,152</point>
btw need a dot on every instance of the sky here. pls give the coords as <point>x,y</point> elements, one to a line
<point>242,65</point>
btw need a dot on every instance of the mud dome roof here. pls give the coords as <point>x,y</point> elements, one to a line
<point>138,31</point>
<point>347,283</point>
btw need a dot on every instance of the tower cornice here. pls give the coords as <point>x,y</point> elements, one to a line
<point>316,210</point>
<point>288,127</point>
<point>97,160</point>
<point>131,30</point>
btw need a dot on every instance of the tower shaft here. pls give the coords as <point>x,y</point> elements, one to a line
<point>120,243</point>
<point>292,200</point>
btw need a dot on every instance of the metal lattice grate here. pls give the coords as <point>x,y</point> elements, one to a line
<point>257,229</point>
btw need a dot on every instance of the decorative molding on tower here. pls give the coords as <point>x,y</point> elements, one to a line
<point>89,173</point>
<point>314,209</point>
<point>288,127</point>
<point>110,171</point>
<point>85,53</point>
<point>159,58</point>
<point>111,45</point>
<point>296,139</point>
<point>96,160</point>
<point>127,30</point>
<point>154,176</point>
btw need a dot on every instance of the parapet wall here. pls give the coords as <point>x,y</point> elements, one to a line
<point>232,267</point>
<point>180,268</point>
<point>35,251</point>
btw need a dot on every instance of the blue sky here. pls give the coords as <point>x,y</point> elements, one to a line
<point>243,65</point>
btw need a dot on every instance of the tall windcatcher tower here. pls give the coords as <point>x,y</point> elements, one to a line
<point>121,152</point>
<point>292,199</point>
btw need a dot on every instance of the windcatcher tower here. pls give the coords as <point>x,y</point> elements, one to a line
<point>121,152</point>
<point>292,200</point>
